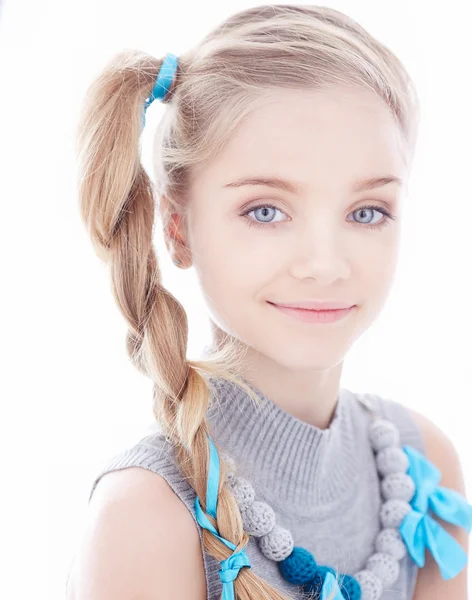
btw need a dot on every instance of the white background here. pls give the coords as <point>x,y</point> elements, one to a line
<point>70,395</point>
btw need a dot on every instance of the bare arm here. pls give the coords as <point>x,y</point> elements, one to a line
<point>441,452</point>
<point>140,542</point>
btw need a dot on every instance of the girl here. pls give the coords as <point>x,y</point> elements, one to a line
<point>281,164</point>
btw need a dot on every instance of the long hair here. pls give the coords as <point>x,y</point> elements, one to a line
<point>217,85</point>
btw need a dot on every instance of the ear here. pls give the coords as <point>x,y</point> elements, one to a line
<point>174,230</point>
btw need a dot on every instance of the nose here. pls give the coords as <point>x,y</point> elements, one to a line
<point>319,253</point>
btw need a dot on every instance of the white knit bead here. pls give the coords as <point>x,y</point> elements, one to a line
<point>242,491</point>
<point>389,541</point>
<point>398,486</point>
<point>371,586</point>
<point>277,544</point>
<point>385,567</point>
<point>392,513</point>
<point>258,519</point>
<point>391,460</point>
<point>383,434</point>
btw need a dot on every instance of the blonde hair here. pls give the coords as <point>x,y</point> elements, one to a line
<point>216,86</point>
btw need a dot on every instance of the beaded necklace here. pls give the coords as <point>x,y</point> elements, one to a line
<point>409,485</point>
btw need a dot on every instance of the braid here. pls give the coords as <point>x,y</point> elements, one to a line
<point>117,205</point>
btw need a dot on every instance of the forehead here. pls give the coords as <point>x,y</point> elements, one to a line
<point>313,136</point>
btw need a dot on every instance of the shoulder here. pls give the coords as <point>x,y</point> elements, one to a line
<point>153,452</point>
<point>421,432</point>
<point>441,451</point>
<point>139,538</point>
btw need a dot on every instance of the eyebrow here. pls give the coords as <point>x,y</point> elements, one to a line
<point>294,188</point>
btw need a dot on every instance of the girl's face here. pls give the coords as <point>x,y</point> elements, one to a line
<point>317,234</point>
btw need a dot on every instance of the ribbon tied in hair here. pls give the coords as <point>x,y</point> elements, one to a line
<point>231,566</point>
<point>163,81</point>
<point>420,531</point>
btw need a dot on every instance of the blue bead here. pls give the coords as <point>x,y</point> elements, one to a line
<point>350,587</point>
<point>316,584</point>
<point>299,567</point>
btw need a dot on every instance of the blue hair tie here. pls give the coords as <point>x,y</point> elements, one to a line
<point>231,566</point>
<point>163,81</point>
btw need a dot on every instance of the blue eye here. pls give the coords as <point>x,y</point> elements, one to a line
<point>387,216</point>
<point>268,212</point>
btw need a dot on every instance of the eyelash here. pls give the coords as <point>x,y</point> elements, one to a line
<point>387,214</point>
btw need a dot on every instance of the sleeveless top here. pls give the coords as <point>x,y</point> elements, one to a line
<point>322,483</point>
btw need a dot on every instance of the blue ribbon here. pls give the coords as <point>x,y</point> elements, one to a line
<point>229,567</point>
<point>420,531</point>
<point>330,586</point>
<point>163,81</point>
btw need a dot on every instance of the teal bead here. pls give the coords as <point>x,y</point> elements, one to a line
<point>299,567</point>
<point>350,587</point>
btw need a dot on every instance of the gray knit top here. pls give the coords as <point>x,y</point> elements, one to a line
<point>322,483</point>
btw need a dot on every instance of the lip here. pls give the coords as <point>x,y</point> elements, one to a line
<point>315,304</point>
<point>314,316</point>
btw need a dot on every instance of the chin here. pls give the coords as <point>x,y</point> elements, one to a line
<point>296,358</point>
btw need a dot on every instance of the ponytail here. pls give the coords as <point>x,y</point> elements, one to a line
<point>117,205</point>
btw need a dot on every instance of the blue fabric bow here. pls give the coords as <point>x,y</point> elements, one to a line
<point>420,531</point>
<point>330,585</point>
<point>231,566</point>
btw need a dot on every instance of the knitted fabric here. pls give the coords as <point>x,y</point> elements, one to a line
<point>322,483</point>
<point>371,585</point>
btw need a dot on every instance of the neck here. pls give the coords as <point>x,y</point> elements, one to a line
<point>308,395</point>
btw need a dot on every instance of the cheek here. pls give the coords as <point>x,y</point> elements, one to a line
<point>231,275</point>
<point>374,272</point>
<point>228,295</point>
<point>226,260</point>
